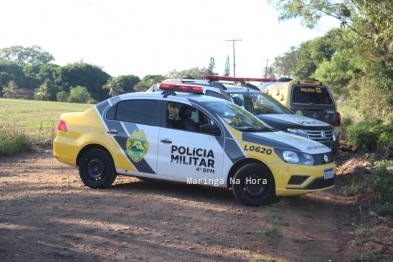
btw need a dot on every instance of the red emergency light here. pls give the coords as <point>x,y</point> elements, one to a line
<point>237,79</point>
<point>182,88</point>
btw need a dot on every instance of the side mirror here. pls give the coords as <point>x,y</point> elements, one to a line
<point>210,129</point>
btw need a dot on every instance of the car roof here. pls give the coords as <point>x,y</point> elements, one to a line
<point>159,95</point>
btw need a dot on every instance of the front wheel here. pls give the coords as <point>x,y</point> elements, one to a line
<point>253,185</point>
<point>96,169</point>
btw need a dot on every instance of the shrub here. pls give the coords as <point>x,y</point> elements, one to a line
<point>14,142</point>
<point>361,136</point>
<point>385,210</point>
<point>383,182</point>
<point>92,102</point>
<point>62,96</point>
<point>370,135</point>
<point>78,94</point>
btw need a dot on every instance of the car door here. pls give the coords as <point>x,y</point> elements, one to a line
<point>188,156</point>
<point>133,128</point>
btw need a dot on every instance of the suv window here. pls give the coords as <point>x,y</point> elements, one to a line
<point>259,103</point>
<point>135,111</point>
<point>311,95</point>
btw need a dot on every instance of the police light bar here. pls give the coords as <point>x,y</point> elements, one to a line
<point>182,88</point>
<point>237,79</point>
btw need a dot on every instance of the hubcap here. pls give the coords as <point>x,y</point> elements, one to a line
<point>96,168</point>
<point>253,185</point>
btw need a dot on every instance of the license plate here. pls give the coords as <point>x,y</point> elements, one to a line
<point>328,173</point>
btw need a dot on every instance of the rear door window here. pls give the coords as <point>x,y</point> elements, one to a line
<point>319,95</point>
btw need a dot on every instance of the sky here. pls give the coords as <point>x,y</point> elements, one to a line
<point>148,37</point>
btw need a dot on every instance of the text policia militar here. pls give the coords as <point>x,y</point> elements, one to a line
<point>220,181</point>
<point>192,156</point>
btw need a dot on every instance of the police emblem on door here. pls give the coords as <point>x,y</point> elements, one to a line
<point>137,145</point>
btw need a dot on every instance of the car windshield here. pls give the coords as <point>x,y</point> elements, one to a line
<point>259,103</point>
<point>237,117</point>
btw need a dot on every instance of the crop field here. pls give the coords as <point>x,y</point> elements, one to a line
<point>38,119</point>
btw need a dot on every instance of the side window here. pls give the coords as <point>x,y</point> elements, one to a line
<point>110,115</point>
<point>137,111</point>
<point>185,117</point>
<point>215,94</point>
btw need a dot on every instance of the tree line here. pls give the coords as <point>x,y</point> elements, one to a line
<point>28,72</point>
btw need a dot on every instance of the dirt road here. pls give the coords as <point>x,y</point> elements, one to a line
<point>48,215</point>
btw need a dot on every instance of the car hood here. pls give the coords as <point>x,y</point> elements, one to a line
<point>286,141</point>
<point>284,121</point>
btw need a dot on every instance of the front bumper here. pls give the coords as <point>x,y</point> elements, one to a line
<point>292,179</point>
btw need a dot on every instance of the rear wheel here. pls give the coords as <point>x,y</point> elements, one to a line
<point>253,185</point>
<point>96,169</point>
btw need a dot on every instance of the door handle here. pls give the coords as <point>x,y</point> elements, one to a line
<point>166,141</point>
<point>112,131</point>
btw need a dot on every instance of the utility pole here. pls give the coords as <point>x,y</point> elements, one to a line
<point>267,61</point>
<point>234,64</point>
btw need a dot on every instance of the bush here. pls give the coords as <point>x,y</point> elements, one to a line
<point>383,182</point>
<point>79,94</point>
<point>92,102</point>
<point>385,210</point>
<point>62,96</point>
<point>361,136</point>
<point>370,135</point>
<point>13,142</point>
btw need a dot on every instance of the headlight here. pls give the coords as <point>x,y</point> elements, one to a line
<point>295,157</point>
<point>298,132</point>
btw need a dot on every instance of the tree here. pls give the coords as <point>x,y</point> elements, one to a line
<point>129,82</point>
<point>227,69</point>
<point>22,56</point>
<point>11,71</point>
<point>212,65</point>
<point>194,72</point>
<point>81,74</point>
<point>370,20</point>
<point>153,79</point>
<point>141,87</point>
<point>114,85</point>
<point>285,65</point>
<point>10,90</point>
<point>46,91</point>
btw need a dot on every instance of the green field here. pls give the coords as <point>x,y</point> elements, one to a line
<point>38,119</point>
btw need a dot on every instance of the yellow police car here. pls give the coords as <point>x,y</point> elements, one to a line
<point>193,139</point>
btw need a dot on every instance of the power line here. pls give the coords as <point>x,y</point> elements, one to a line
<point>234,64</point>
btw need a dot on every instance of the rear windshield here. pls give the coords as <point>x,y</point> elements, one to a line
<point>311,95</point>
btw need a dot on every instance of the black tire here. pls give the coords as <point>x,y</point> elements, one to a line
<point>254,185</point>
<point>96,169</point>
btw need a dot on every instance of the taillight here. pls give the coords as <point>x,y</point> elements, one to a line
<point>62,126</point>
<point>338,119</point>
